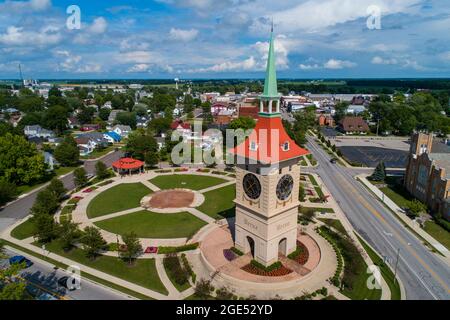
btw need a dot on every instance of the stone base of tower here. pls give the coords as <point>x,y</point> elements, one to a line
<point>266,238</point>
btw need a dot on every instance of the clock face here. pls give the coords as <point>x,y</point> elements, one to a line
<point>252,186</point>
<point>284,187</point>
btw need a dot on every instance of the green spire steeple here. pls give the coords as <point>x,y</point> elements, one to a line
<point>270,84</point>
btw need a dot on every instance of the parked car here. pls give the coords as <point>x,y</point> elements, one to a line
<point>333,161</point>
<point>20,260</point>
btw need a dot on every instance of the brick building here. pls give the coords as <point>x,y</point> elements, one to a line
<point>428,172</point>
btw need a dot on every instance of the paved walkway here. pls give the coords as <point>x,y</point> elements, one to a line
<point>400,213</point>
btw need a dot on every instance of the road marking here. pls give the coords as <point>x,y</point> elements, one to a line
<point>398,236</point>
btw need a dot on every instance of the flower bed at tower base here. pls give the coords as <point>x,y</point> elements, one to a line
<point>275,270</point>
<point>301,254</point>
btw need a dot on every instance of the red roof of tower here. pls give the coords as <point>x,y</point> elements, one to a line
<point>270,138</point>
<point>128,163</point>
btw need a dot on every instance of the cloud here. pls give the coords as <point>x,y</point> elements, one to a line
<point>25,6</point>
<point>141,67</point>
<point>380,60</point>
<point>183,35</point>
<point>17,36</point>
<point>335,64</point>
<point>332,64</point>
<point>136,57</point>
<point>246,65</point>
<point>98,26</point>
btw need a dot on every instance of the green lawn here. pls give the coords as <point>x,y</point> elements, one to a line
<point>23,230</point>
<point>437,232</point>
<point>186,181</point>
<point>148,224</point>
<point>99,153</point>
<point>219,203</point>
<point>386,272</point>
<point>334,223</point>
<point>118,198</point>
<point>64,170</point>
<point>142,273</point>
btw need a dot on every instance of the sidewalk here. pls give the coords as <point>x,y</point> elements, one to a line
<point>399,212</point>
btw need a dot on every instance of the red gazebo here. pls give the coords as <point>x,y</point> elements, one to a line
<point>128,166</point>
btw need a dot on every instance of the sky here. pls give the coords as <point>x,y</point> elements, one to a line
<point>188,39</point>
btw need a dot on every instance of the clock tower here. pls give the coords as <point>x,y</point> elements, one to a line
<point>267,180</point>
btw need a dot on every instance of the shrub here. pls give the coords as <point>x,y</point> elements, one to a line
<point>173,267</point>
<point>203,289</point>
<point>188,268</point>
<point>237,251</point>
<point>187,247</point>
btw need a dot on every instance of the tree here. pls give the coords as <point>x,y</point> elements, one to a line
<point>68,234</point>
<point>203,289</point>
<point>44,227</point>
<point>67,153</point>
<point>101,170</point>
<point>20,162</point>
<point>152,159</point>
<point>104,114</point>
<point>245,123</point>
<point>57,188</point>
<point>46,202</point>
<point>140,144</point>
<point>380,173</point>
<point>12,288</point>
<point>86,115</point>
<point>92,241</point>
<point>7,192</point>
<point>55,118</point>
<point>133,247</point>
<point>80,177</point>
<point>415,208</point>
<point>127,118</point>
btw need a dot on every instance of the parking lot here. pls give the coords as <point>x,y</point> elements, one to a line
<point>392,152</point>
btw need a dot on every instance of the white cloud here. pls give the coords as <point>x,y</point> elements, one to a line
<point>25,6</point>
<point>308,67</point>
<point>335,64</point>
<point>89,68</point>
<point>98,26</point>
<point>183,35</point>
<point>141,67</point>
<point>246,65</point>
<point>380,60</point>
<point>136,57</point>
<point>17,36</point>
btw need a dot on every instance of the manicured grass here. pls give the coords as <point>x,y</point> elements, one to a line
<point>99,153</point>
<point>334,223</point>
<point>437,232</point>
<point>118,198</point>
<point>393,194</point>
<point>154,225</point>
<point>142,272</point>
<point>219,203</point>
<point>23,230</point>
<point>305,209</point>
<point>386,272</point>
<point>83,274</point>
<point>64,170</point>
<point>186,181</point>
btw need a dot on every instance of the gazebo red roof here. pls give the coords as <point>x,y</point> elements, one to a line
<point>128,163</point>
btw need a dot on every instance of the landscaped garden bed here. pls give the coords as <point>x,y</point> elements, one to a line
<point>275,270</point>
<point>300,255</point>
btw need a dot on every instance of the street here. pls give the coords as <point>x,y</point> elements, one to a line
<point>425,275</point>
<point>21,208</point>
<point>43,277</point>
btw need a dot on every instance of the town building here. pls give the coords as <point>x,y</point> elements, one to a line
<point>326,120</point>
<point>353,125</point>
<point>428,172</point>
<point>267,181</point>
<point>38,131</point>
<point>122,130</point>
